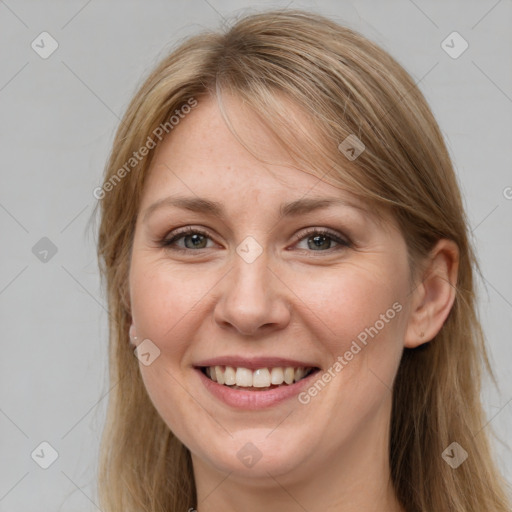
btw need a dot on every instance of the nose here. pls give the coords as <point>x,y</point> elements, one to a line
<point>252,300</point>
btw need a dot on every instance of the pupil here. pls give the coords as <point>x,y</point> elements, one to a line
<point>317,240</point>
<point>196,238</point>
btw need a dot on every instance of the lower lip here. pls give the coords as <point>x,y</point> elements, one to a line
<point>254,399</point>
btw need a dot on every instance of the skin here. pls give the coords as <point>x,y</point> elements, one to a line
<point>292,301</point>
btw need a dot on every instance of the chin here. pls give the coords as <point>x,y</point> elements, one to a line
<point>258,453</point>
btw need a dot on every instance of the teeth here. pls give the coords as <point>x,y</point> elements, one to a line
<point>277,376</point>
<point>289,375</point>
<point>220,374</point>
<point>243,377</point>
<point>260,378</point>
<point>229,376</point>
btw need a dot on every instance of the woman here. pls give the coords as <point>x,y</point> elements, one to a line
<point>286,254</point>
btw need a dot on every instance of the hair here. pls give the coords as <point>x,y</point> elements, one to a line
<point>345,85</point>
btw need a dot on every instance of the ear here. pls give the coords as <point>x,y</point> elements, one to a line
<point>433,297</point>
<point>134,340</point>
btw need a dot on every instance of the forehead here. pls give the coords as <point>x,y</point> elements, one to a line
<point>202,148</point>
<point>203,157</point>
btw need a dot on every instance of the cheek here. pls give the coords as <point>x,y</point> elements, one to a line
<point>360,311</point>
<point>165,302</point>
<point>356,311</point>
<point>350,299</point>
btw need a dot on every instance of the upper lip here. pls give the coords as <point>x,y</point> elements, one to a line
<point>253,363</point>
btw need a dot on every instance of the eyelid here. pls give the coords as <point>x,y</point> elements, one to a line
<point>180,233</point>
<point>341,239</point>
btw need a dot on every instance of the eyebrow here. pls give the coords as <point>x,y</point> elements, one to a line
<point>215,208</point>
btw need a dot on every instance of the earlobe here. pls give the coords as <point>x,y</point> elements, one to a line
<point>433,298</point>
<point>133,335</point>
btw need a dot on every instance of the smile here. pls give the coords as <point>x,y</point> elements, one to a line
<point>254,383</point>
<point>260,379</point>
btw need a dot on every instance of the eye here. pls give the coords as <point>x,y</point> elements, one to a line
<point>317,239</point>
<point>320,240</point>
<point>193,239</point>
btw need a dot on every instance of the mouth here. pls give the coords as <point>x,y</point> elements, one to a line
<point>255,383</point>
<point>259,379</point>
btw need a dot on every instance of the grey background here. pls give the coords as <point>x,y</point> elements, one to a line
<point>58,116</point>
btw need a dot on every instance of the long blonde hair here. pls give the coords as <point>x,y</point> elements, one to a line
<point>346,85</point>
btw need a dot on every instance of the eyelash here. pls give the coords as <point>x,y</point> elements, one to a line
<point>168,242</point>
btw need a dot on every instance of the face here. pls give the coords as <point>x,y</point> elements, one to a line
<point>241,278</point>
